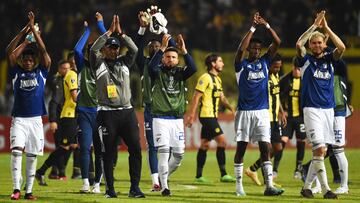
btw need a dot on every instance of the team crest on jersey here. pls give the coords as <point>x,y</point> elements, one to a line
<point>72,80</point>
<point>201,82</point>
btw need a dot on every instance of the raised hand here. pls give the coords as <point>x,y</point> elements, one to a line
<point>99,17</point>
<point>112,27</point>
<point>165,41</point>
<point>255,20</point>
<point>86,24</point>
<point>319,19</point>
<point>323,23</point>
<point>261,20</point>
<point>117,24</point>
<point>180,44</point>
<point>31,17</point>
<point>143,19</point>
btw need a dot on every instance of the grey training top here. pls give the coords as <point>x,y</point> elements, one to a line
<point>113,78</point>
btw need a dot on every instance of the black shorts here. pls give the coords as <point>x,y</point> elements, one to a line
<point>68,131</point>
<point>275,132</point>
<point>210,128</point>
<point>295,124</point>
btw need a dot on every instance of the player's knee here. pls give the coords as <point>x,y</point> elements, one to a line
<point>284,139</point>
<point>264,151</point>
<point>29,155</point>
<point>277,147</point>
<point>205,144</point>
<point>221,141</point>
<point>163,149</point>
<point>16,151</point>
<point>337,149</point>
<point>319,149</point>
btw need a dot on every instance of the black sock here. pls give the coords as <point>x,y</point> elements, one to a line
<point>51,160</point>
<point>54,170</point>
<point>277,157</point>
<point>256,165</point>
<point>201,158</point>
<point>300,146</point>
<point>62,161</point>
<point>220,156</point>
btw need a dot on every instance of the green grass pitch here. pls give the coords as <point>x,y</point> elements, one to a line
<point>182,185</point>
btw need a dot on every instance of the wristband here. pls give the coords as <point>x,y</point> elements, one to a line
<point>267,26</point>
<point>252,29</point>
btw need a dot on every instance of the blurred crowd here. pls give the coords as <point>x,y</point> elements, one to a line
<point>210,25</point>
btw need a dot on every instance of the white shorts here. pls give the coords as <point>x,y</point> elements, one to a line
<point>319,126</point>
<point>339,130</point>
<point>252,126</point>
<point>168,132</point>
<point>27,133</point>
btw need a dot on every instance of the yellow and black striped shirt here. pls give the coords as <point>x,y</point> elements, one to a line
<point>290,95</point>
<point>274,96</point>
<point>211,87</point>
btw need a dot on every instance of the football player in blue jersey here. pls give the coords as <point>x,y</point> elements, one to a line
<point>28,80</point>
<point>252,121</point>
<point>317,97</point>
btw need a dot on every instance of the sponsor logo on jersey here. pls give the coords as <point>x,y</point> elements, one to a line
<point>255,75</point>
<point>28,85</point>
<point>325,75</point>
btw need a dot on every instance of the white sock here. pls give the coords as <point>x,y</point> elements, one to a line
<point>267,166</point>
<point>238,171</point>
<point>31,161</point>
<point>86,181</point>
<point>320,170</point>
<point>155,178</point>
<point>16,158</point>
<point>343,168</point>
<point>310,177</point>
<point>175,159</point>
<point>163,160</point>
<point>317,183</point>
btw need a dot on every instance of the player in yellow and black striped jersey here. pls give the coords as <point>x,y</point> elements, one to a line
<point>290,98</point>
<point>277,117</point>
<point>67,127</point>
<point>209,94</point>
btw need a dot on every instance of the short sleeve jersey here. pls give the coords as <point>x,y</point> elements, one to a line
<point>29,88</point>
<point>317,80</point>
<point>252,79</point>
<point>70,83</point>
<point>210,86</point>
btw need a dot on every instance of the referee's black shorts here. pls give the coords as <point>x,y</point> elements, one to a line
<point>295,124</point>
<point>210,128</point>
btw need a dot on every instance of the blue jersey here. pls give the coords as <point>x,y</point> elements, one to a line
<point>252,79</point>
<point>29,88</point>
<point>317,79</point>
